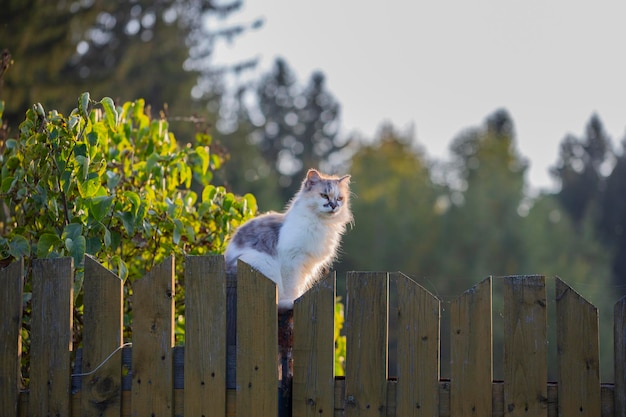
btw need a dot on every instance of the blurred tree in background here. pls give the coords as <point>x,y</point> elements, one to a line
<point>612,220</point>
<point>246,167</point>
<point>396,225</point>
<point>287,129</point>
<point>482,228</point>
<point>579,170</point>
<point>157,50</point>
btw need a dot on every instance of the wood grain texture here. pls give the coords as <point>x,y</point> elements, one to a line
<point>103,319</point>
<point>418,315</point>
<point>471,352</point>
<point>366,344</point>
<point>12,284</point>
<point>51,337</point>
<point>525,346</point>
<point>153,340</point>
<point>314,351</point>
<point>619,341</point>
<point>205,336</point>
<point>257,344</point>
<point>578,353</point>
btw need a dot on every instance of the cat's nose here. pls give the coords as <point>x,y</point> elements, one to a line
<point>333,205</point>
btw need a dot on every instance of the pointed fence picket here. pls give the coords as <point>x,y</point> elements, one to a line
<point>230,365</point>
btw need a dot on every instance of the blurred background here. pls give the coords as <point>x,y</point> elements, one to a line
<point>483,138</point>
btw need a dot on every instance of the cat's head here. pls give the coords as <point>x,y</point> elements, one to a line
<point>328,195</point>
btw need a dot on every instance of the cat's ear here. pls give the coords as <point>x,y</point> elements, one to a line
<point>312,178</point>
<point>345,178</point>
<point>313,175</point>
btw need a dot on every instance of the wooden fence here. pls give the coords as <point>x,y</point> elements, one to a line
<point>216,375</point>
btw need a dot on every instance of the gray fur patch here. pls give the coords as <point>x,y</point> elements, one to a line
<point>260,233</point>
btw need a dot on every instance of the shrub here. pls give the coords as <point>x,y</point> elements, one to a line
<point>113,183</point>
<point>110,182</point>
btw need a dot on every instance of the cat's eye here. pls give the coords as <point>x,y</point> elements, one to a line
<point>324,196</point>
<point>340,198</point>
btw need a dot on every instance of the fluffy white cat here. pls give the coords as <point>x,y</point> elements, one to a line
<point>294,248</point>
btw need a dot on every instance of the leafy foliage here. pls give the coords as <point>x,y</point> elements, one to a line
<point>340,341</point>
<point>110,182</point>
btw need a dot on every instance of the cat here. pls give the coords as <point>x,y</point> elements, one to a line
<point>295,247</point>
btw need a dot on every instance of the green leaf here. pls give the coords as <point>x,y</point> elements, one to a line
<point>46,243</point>
<point>110,113</point>
<point>203,139</point>
<point>6,184</point>
<point>72,231</point>
<point>208,193</point>
<point>83,105</point>
<point>19,246</point>
<point>89,188</point>
<point>77,248</point>
<point>151,161</point>
<point>216,161</point>
<point>10,144</point>
<point>250,203</point>
<point>94,244</point>
<point>112,179</point>
<point>135,201</point>
<point>92,138</point>
<point>107,238</point>
<point>122,269</point>
<point>73,122</point>
<point>66,181</point>
<point>128,220</point>
<point>203,153</point>
<point>99,206</point>
<point>39,110</point>
<point>83,162</point>
<point>80,150</point>
<point>178,229</point>
<point>229,199</point>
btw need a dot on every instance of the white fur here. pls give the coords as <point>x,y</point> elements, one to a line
<point>307,243</point>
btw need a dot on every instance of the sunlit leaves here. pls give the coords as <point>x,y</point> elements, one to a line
<point>111,182</point>
<point>110,113</point>
<point>83,105</point>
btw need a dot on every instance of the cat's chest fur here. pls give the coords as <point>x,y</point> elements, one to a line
<point>306,236</point>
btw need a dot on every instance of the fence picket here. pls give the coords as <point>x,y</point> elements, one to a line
<point>619,342</point>
<point>51,337</point>
<point>366,344</point>
<point>205,336</point>
<point>525,350</point>
<point>257,344</point>
<point>314,350</point>
<point>103,319</point>
<point>154,386</point>
<point>12,284</point>
<point>578,353</point>
<point>153,340</point>
<point>471,352</point>
<point>417,391</point>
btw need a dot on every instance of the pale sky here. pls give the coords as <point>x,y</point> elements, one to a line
<point>444,66</point>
